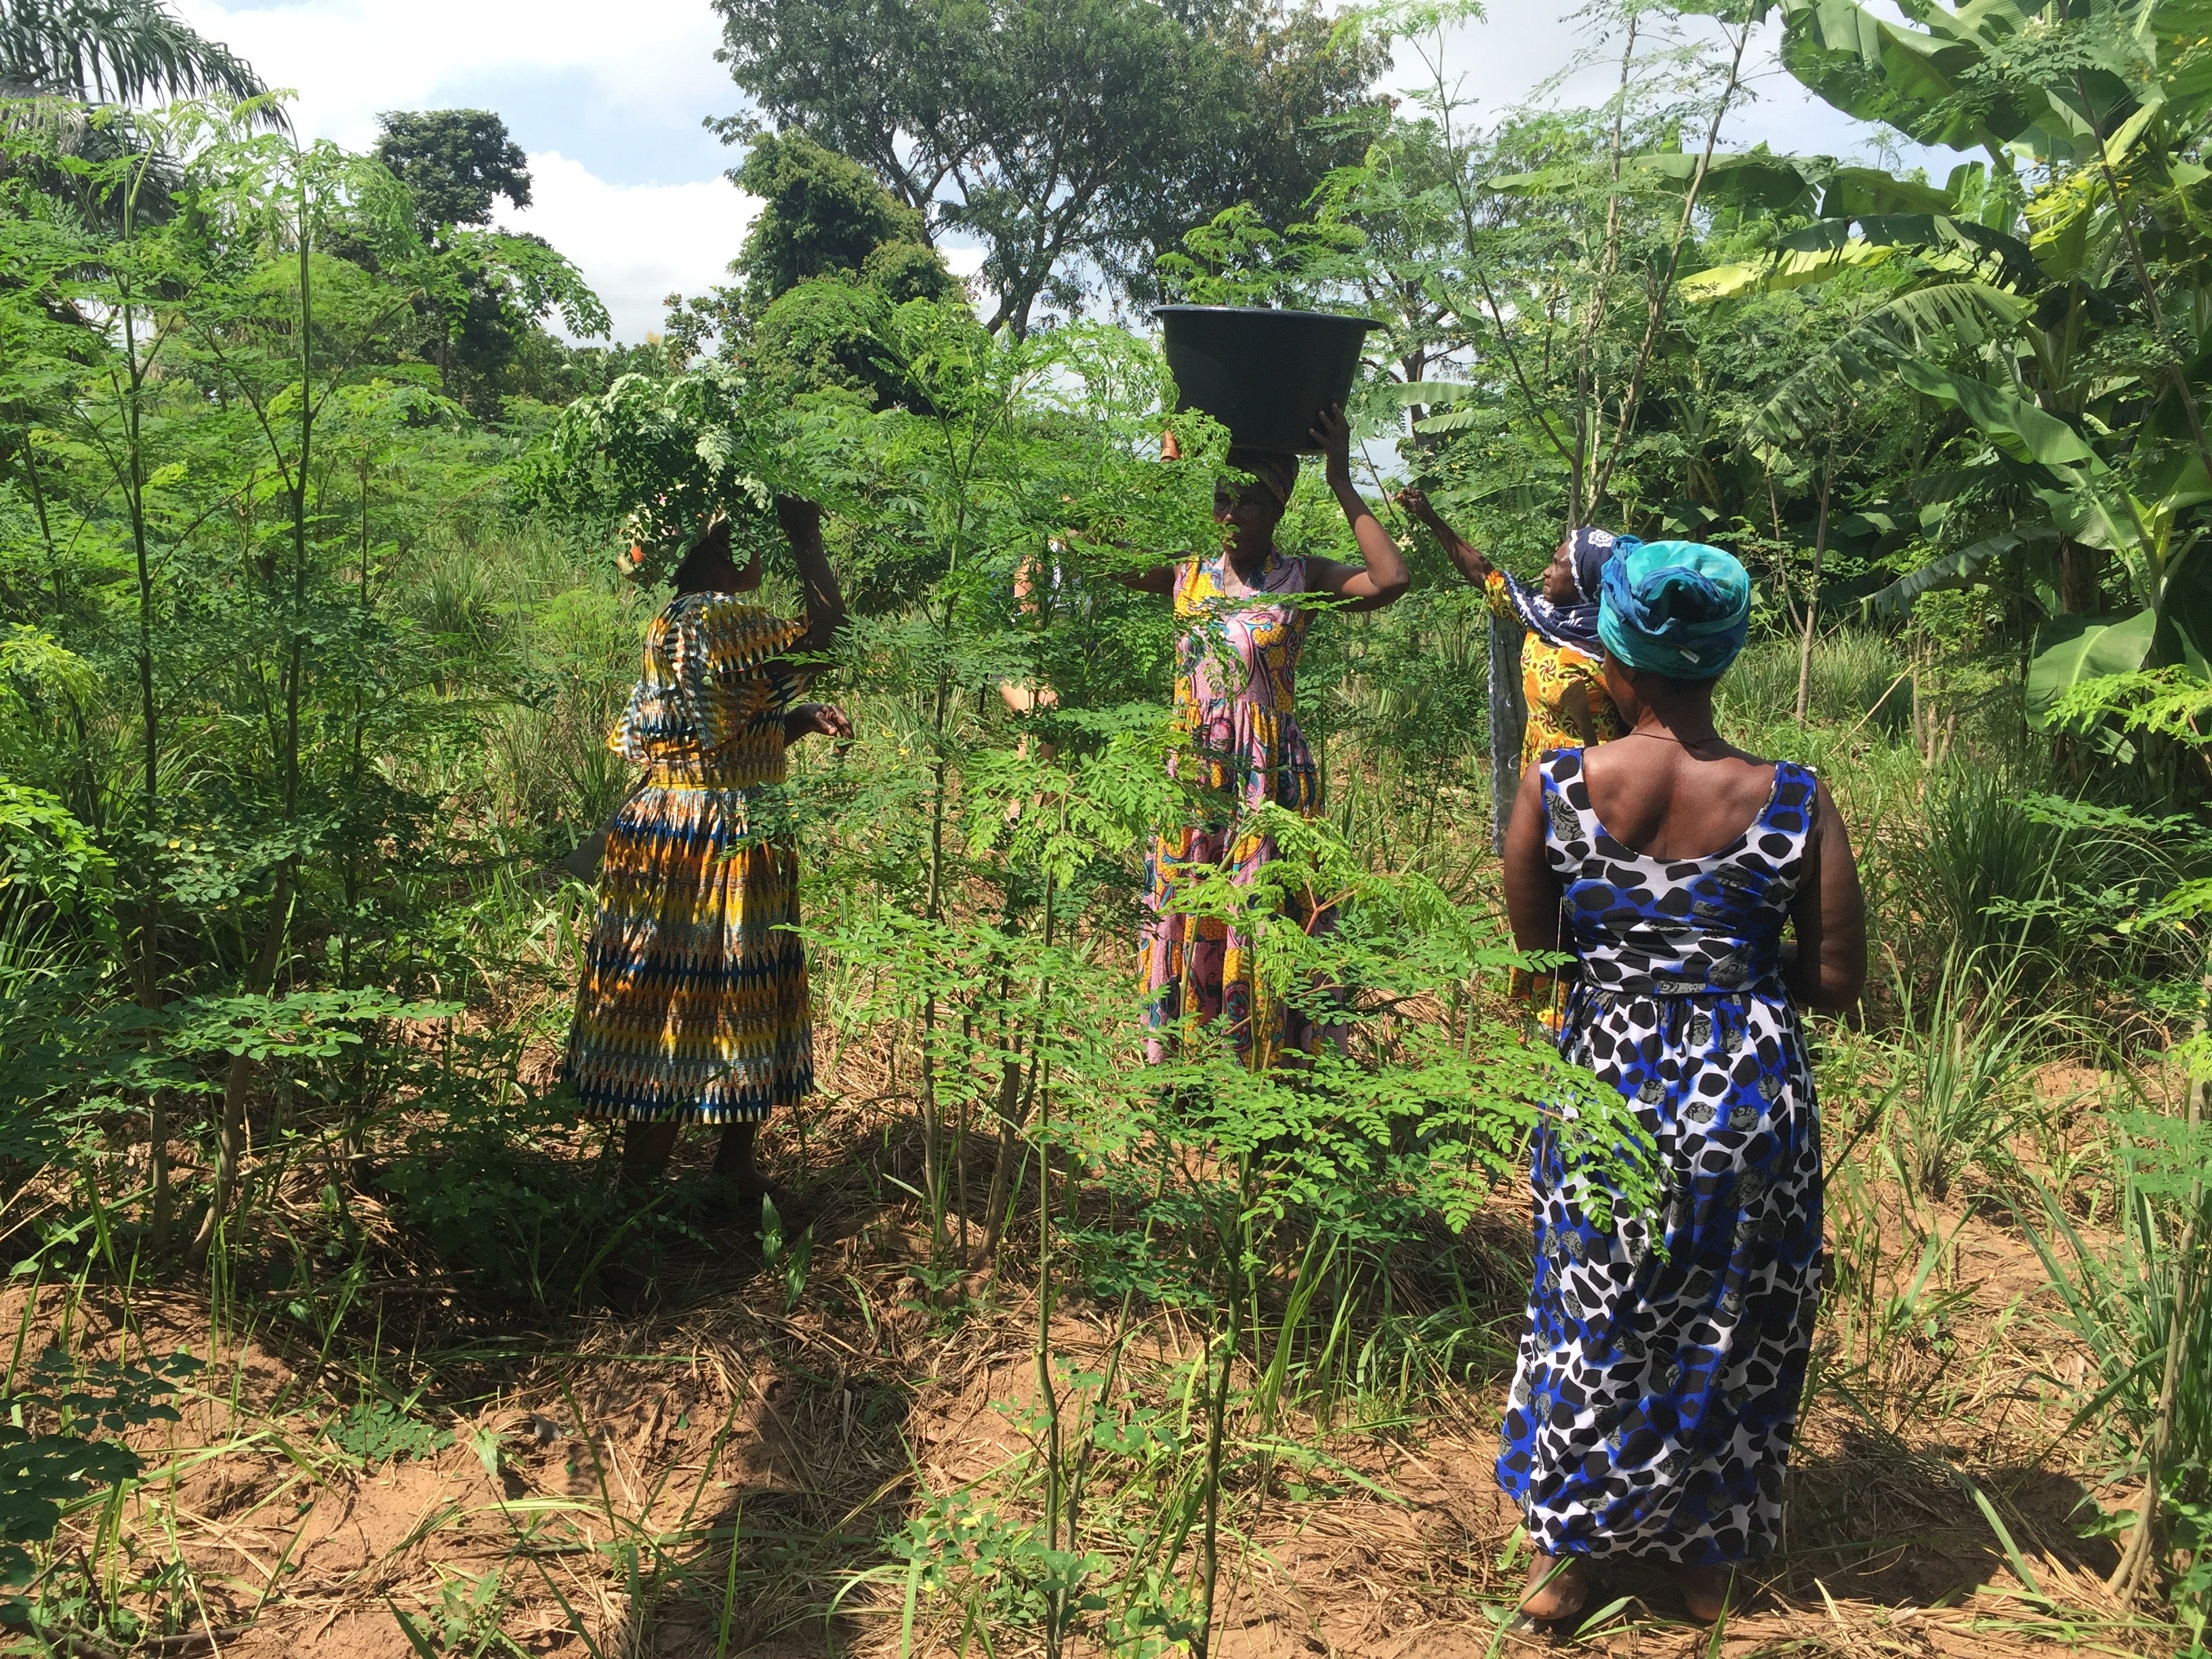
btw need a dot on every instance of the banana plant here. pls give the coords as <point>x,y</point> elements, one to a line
<point>2066,327</point>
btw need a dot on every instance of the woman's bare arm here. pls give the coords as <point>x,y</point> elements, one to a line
<point>1379,579</point>
<point>1160,578</point>
<point>1532,889</point>
<point>1461,552</point>
<point>1829,916</point>
<point>825,601</point>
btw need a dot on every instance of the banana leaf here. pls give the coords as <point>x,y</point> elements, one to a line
<point>2185,614</point>
<point>2001,415</point>
<point>2072,649</point>
<point>1954,569</point>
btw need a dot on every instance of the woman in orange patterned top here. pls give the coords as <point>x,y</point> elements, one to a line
<point>1243,624</point>
<point>693,1006</point>
<point>1560,676</point>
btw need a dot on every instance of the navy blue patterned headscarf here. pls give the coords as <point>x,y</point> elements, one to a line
<point>1573,627</point>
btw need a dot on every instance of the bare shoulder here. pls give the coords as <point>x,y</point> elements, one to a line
<point>1630,761</point>
<point>1641,779</point>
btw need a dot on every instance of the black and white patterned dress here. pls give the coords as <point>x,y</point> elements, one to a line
<point>1656,1391</point>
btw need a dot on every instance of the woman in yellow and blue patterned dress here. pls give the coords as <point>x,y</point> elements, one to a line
<point>1244,622</point>
<point>693,1006</point>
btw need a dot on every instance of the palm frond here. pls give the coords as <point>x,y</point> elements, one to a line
<point>118,51</point>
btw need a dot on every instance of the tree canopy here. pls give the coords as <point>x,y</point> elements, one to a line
<point>456,162</point>
<point>820,213</point>
<point>1075,139</point>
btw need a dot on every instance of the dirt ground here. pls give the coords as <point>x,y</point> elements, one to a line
<point>596,1484</point>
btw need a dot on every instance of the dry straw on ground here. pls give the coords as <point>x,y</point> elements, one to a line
<point>587,1502</point>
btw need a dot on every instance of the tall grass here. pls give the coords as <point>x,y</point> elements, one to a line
<point>2137,1305</point>
<point>1961,1064</point>
<point>2010,875</point>
<point>1855,682</point>
<point>541,636</point>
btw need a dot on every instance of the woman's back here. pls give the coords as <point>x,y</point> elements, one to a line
<point>1657,1389</point>
<point>1677,877</point>
<point>1657,797</point>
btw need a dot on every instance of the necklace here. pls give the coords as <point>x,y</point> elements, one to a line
<point>1668,736</point>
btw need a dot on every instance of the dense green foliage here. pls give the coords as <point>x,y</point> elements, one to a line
<point>313,548</point>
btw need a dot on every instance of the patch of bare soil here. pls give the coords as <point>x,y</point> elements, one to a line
<point>720,1477</point>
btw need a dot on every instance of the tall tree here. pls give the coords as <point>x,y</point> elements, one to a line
<point>115,52</point>
<point>456,161</point>
<point>486,290</point>
<point>1076,139</point>
<point>821,213</point>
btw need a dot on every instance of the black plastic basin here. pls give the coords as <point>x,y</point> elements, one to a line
<point>1263,373</point>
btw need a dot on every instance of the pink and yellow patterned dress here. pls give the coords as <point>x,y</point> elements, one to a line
<point>1235,690</point>
<point>693,1006</point>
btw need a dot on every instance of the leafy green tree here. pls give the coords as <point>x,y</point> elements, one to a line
<point>825,263</point>
<point>822,214</point>
<point>1074,138</point>
<point>456,162</point>
<point>485,292</point>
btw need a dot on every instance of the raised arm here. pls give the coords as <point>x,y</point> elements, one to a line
<point>1159,579</point>
<point>1829,917</point>
<point>1460,551</point>
<point>825,601</point>
<point>1380,578</point>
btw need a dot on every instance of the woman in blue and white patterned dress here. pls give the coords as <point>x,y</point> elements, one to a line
<point>1657,1388</point>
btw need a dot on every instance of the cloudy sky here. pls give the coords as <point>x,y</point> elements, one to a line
<point>609,102</point>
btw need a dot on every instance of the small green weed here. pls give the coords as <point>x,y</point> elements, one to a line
<point>377,1431</point>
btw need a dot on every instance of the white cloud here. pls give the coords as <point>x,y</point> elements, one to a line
<point>647,63</point>
<point>635,244</point>
<point>607,101</point>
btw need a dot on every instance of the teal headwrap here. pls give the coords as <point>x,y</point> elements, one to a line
<point>1674,608</point>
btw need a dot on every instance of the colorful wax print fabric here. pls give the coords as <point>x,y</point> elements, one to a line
<point>1236,692</point>
<point>1657,1386</point>
<point>1548,672</point>
<point>693,1006</point>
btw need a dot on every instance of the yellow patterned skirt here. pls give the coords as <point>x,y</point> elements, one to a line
<point>694,1006</point>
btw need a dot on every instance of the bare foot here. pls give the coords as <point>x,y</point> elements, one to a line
<point>1555,1588</point>
<point>1705,1590</point>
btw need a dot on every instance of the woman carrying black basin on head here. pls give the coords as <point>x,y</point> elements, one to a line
<point>1657,1391</point>
<point>1244,611</point>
